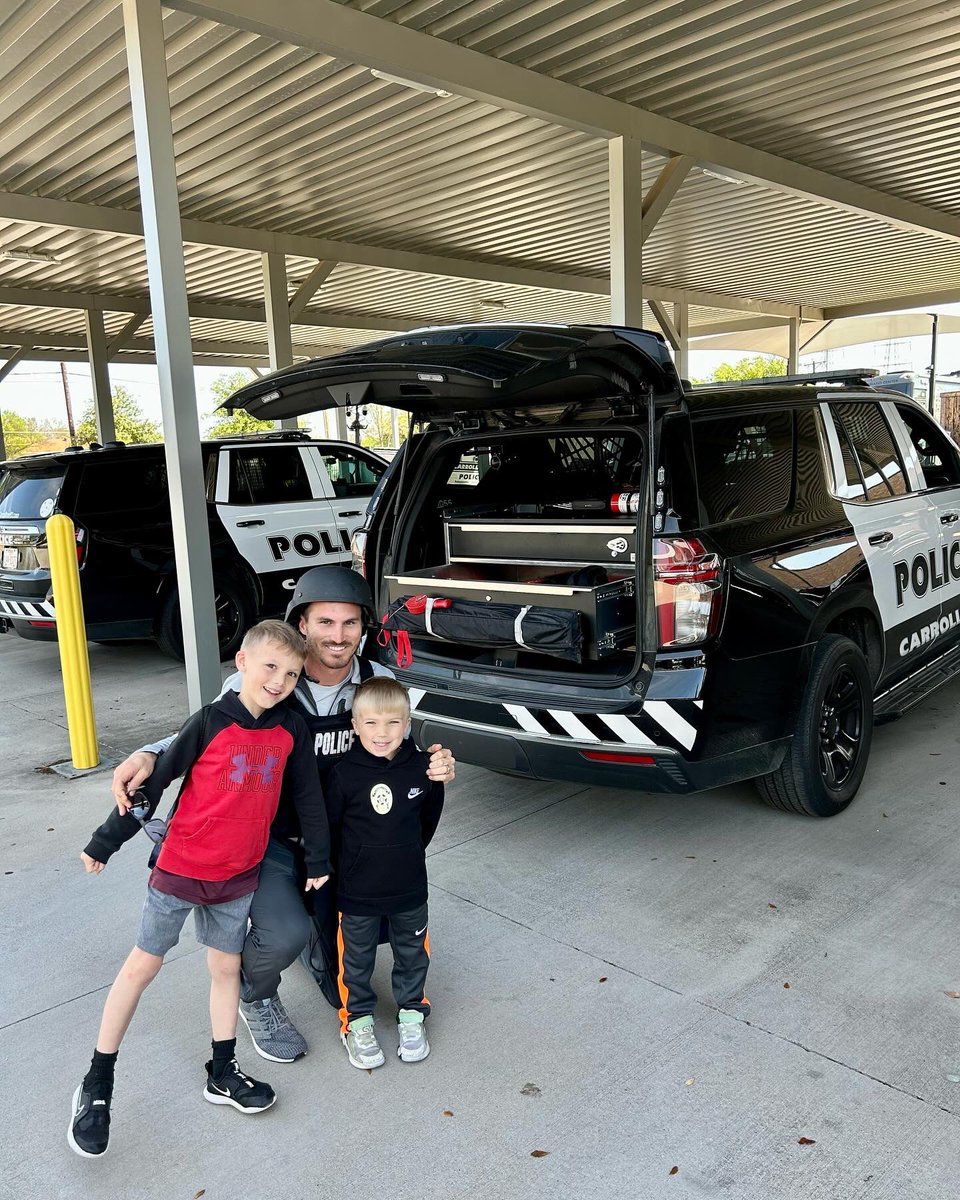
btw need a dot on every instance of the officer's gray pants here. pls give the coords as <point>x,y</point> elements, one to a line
<point>279,924</point>
<point>357,938</point>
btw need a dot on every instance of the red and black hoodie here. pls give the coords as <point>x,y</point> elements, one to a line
<point>235,764</point>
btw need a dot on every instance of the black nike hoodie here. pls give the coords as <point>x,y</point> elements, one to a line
<point>383,813</point>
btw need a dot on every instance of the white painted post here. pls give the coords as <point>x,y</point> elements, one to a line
<point>626,240</point>
<point>277,308</point>
<point>100,376</point>
<point>156,169</point>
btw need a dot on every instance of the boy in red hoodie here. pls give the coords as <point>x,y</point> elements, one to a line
<point>234,753</point>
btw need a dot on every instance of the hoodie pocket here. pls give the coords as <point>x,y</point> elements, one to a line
<point>233,844</point>
<point>382,872</point>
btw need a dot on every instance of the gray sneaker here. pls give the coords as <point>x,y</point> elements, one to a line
<point>363,1049</point>
<point>414,1046</point>
<point>274,1034</point>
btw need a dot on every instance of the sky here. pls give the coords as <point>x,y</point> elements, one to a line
<point>35,388</point>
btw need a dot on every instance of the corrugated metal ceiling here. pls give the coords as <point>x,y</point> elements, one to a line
<point>277,137</point>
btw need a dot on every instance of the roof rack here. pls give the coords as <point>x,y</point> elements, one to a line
<point>273,435</point>
<point>849,376</point>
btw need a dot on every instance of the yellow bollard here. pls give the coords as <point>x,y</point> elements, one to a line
<point>72,638</point>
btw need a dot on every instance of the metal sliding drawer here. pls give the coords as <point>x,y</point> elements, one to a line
<point>600,543</point>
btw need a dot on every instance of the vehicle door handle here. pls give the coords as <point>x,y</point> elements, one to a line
<point>949,518</point>
<point>355,512</point>
<point>879,539</point>
<point>247,524</point>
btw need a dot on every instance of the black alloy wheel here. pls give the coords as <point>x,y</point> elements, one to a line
<point>826,760</point>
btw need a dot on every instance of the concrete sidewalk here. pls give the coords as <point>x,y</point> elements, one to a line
<point>629,983</point>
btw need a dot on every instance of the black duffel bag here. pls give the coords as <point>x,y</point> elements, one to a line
<point>552,631</point>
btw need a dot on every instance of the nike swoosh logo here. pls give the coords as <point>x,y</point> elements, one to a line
<point>414,792</point>
<point>417,932</point>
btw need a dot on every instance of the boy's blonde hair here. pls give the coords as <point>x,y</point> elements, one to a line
<point>278,633</point>
<point>381,694</point>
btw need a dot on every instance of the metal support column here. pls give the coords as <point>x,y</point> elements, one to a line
<point>793,353</point>
<point>626,239</point>
<point>278,317</point>
<point>100,377</point>
<point>681,321</point>
<point>157,172</point>
<point>14,358</point>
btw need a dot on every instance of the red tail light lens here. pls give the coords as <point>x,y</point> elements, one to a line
<point>81,535</point>
<point>686,590</point>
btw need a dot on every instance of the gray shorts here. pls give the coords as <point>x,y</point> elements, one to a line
<point>219,926</point>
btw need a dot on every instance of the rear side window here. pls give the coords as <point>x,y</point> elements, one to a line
<point>870,458</point>
<point>272,475</point>
<point>351,475</point>
<point>938,459</point>
<point>30,493</point>
<point>744,465</point>
<point>123,486</point>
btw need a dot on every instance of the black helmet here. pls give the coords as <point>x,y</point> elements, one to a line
<point>336,585</point>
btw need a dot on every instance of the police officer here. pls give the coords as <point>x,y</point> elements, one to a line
<point>332,607</point>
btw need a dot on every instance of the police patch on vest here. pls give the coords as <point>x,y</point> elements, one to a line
<point>381,798</point>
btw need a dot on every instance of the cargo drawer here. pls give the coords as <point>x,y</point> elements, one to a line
<point>608,608</point>
<point>601,543</point>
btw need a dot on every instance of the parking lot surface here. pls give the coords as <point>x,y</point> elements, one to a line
<point>660,996</point>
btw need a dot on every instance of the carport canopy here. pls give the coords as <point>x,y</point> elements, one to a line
<point>238,183</point>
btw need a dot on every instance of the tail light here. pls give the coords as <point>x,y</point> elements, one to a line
<point>43,553</point>
<point>686,590</point>
<point>358,548</point>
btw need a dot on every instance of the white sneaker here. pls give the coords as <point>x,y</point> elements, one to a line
<point>414,1046</point>
<point>363,1049</point>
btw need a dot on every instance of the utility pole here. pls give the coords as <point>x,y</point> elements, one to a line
<point>66,400</point>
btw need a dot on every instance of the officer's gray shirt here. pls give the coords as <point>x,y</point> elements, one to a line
<point>324,701</point>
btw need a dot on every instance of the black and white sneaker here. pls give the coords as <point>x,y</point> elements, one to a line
<point>244,1094</point>
<point>89,1130</point>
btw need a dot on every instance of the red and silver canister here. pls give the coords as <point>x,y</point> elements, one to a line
<point>625,503</point>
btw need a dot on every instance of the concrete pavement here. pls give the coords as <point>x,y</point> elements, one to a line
<point>630,983</point>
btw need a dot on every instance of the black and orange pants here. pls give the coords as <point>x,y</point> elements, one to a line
<point>357,938</point>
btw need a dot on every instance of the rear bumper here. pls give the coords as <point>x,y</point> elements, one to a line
<point>641,767</point>
<point>30,616</point>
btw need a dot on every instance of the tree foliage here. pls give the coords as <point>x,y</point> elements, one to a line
<point>27,435</point>
<point>226,424</point>
<point>753,366</point>
<point>378,428</point>
<point>131,425</point>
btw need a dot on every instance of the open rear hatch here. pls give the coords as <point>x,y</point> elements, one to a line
<point>518,538</point>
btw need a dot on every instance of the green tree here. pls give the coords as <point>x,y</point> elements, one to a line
<point>27,435</point>
<point>131,425</point>
<point>753,366</point>
<point>378,428</point>
<point>226,424</point>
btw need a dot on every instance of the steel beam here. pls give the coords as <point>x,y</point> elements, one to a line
<point>278,318</point>
<point>663,190</point>
<point>665,323</point>
<point>67,214</point>
<point>358,37</point>
<point>919,300</point>
<point>157,172</point>
<point>100,377</point>
<point>310,286</point>
<point>129,329</point>
<point>681,321</point>
<point>793,352</point>
<point>626,231</point>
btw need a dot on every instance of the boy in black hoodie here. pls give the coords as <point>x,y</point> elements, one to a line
<point>383,812</point>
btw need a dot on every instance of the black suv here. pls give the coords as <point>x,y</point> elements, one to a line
<point>590,570</point>
<point>276,504</point>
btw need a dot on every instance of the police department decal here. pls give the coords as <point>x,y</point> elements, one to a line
<point>381,798</point>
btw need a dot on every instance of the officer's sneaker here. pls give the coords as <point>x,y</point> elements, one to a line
<point>413,1046</point>
<point>274,1034</point>
<point>241,1092</point>
<point>89,1130</point>
<point>363,1049</point>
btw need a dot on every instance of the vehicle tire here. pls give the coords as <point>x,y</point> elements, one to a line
<point>236,605</point>
<point>826,760</point>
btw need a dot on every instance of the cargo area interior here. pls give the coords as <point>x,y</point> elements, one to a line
<point>520,551</point>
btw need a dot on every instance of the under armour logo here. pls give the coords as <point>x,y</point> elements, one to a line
<point>242,769</point>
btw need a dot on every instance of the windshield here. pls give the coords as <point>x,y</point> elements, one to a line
<point>29,492</point>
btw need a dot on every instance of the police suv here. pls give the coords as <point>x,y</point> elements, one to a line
<point>589,570</point>
<point>277,503</point>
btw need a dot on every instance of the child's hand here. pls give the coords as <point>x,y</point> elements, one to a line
<point>90,865</point>
<point>316,883</point>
